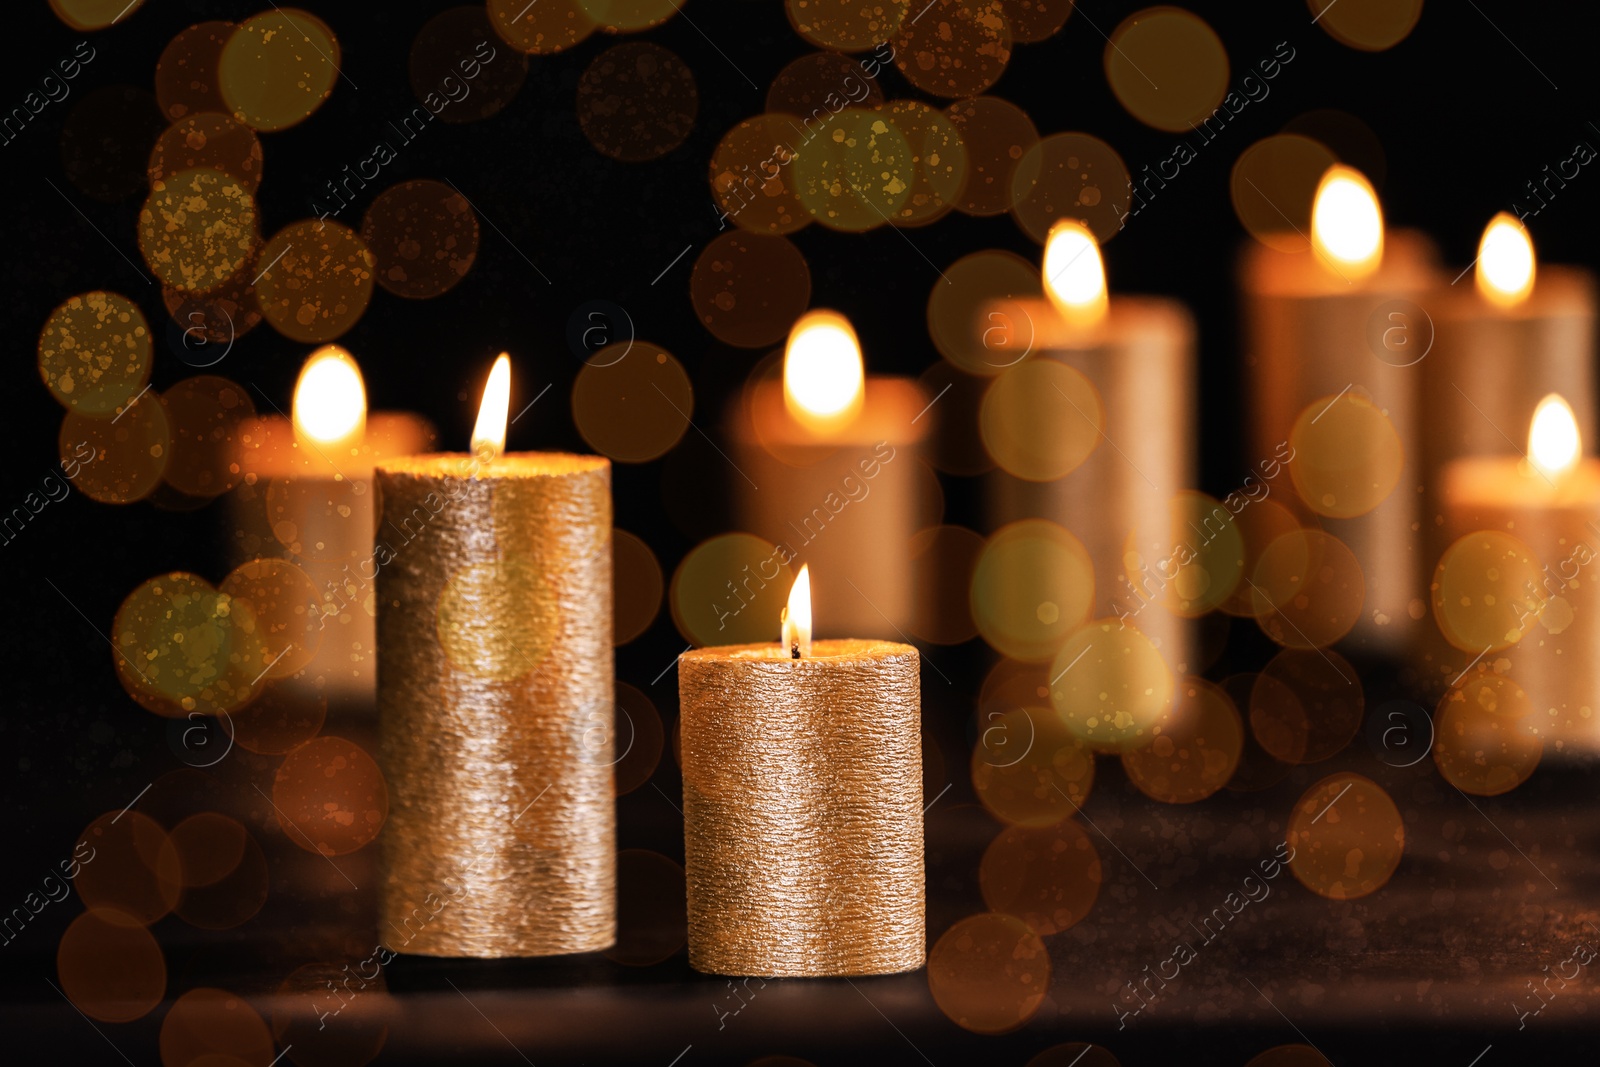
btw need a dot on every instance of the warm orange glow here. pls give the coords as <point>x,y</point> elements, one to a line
<point>330,402</point>
<point>1347,223</point>
<point>489,433</point>
<point>1074,274</point>
<point>823,378</point>
<point>1506,263</point>
<point>1553,442</point>
<point>797,616</point>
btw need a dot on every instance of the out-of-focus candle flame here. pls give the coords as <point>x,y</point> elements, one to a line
<point>330,402</point>
<point>1074,274</point>
<point>823,379</point>
<point>1347,223</point>
<point>797,616</point>
<point>1506,262</point>
<point>489,433</point>
<point>1553,443</point>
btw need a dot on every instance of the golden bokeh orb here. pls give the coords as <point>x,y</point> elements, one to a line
<point>1308,589</point>
<point>94,353</point>
<point>1486,735</point>
<point>330,797</point>
<point>1346,837</point>
<point>1032,587</point>
<point>314,280</point>
<point>989,973</point>
<point>1041,419</point>
<point>1193,751</point>
<point>1027,768</point>
<point>1485,589</point>
<point>1110,685</point>
<point>1169,68</point>
<point>1347,455</point>
<point>277,68</point>
<point>1048,877</point>
<point>110,967</point>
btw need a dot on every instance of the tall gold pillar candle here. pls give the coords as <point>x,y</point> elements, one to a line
<point>1531,605</point>
<point>1093,429</point>
<point>828,467</point>
<point>1315,323</point>
<point>802,804</point>
<point>307,496</point>
<point>495,699</point>
<point>1520,332</point>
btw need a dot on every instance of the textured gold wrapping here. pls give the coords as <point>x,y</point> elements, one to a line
<point>802,804</point>
<point>495,702</point>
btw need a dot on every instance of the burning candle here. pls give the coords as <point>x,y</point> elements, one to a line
<point>495,698</point>
<point>1331,336</point>
<point>828,471</point>
<point>1523,331</point>
<point>1520,575</point>
<point>307,496</point>
<point>1093,429</point>
<point>802,804</point>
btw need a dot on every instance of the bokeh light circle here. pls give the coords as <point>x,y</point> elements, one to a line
<point>110,967</point>
<point>1110,685</point>
<point>450,50</point>
<point>973,336</point>
<point>637,102</point>
<point>315,280</point>
<point>186,73</point>
<point>1367,25</point>
<point>752,176</point>
<point>212,140</point>
<point>1306,705</point>
<point>1347,456</point>
<point>204,416</point>
<point>1483,590</point>
<point>1070,176</point>
<point>846,25</point>
<point>542,27</point>
<point>749,288</point>
<point>211,1028</point>
<point>277,68</point>
<point>1308,589</point>
<point>132,867</point>
<point>858,174</point>
<point>179,648</point>
<point>703,609</point>
<point>1048,877</point>
<point>1194,750</point>
<point>330,796</point>
<point>989,973</point>
<point>1032,587</point>
<point>1168,68</point>
<point>636,586</point>
<point>286,611</point>
<point>121,459</point>
<point>94,14</point>
<point>959,50</point>
<point>198,229</point>
<point>423,236</point>
<point>1041,419</point>
<point>632,408</point>
<point>1273,185</point>
<point>280,719</point>
<point>938,160</point>
<point>1027,768</point>
<point>1486,739</point>
<point>997,134</point>
<point>1196,557</point>
<point>1346,837</point>
<point>639,738</point>
<point>94,353</point>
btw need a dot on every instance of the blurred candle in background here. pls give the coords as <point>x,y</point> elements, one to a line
<point>1332,335</point>
<point>1092,429</point>
<point>1522,331</point>
<point>307,497</point>
<point>827,466</point>
<point>1516,590</point>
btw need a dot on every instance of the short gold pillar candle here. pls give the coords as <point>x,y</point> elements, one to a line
<point>494,684</point>
<point>802,805</point>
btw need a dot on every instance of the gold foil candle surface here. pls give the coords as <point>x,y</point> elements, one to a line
<point>802,803</point>
<point>495,697</point>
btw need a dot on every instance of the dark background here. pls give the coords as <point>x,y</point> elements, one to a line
<point>1466,110</point>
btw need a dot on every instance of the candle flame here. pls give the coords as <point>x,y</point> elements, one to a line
<point>1074,274</point>
<point>330,401</point>
<point>1553,442</point>
<point>797,616</point>
<point>489,434</point>
<point>1347,223</point>
<point>1506,262</point>
<point>823,378</point>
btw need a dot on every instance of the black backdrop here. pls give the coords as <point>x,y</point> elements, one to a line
<point>1476,101</point>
